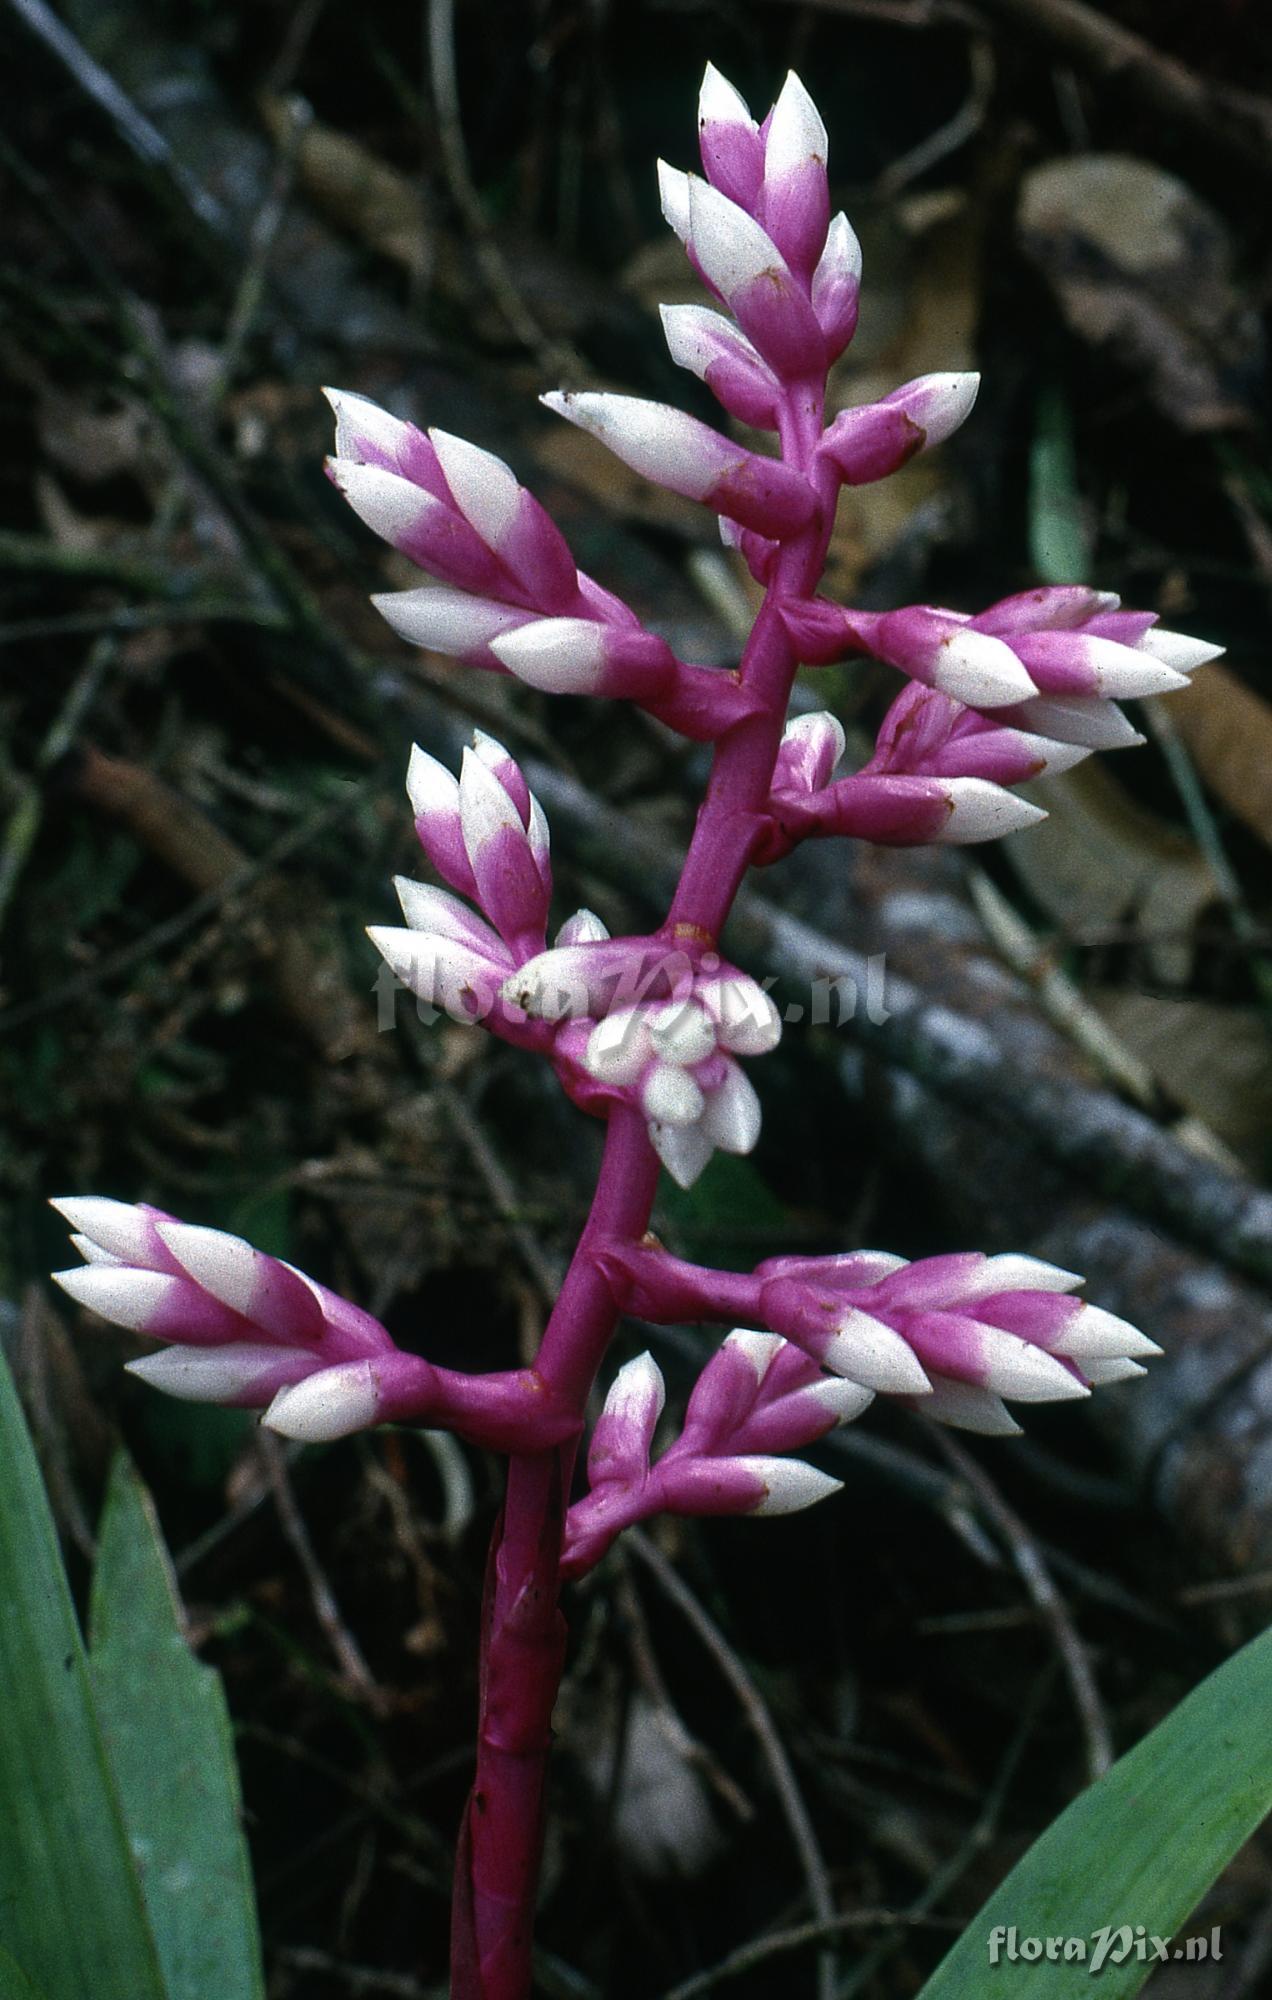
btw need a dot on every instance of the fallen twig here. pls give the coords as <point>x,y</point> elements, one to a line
<point>761,1724</point>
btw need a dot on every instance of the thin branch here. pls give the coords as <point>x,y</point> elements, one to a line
<point>775,1944</point>
<point>1234,122</point>
<point>556,358</point>
<point>134,128</point>
<point>356,1675</point>
<point>1032,1569</point>
<point>763,1729</point>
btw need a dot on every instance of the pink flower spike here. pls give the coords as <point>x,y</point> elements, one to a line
<point>154,1303</point>
<point>747,1021</point>
<point>945,653</point>
<point>368,435</point>
<point>1004,756</point>
<point>332,1403</point>
<point>571,981</point>
<point>240,1375</point>
<point>436,913</point>
<point>1074,663</point>
<point>714,350</point>
<point>789,1484</point>
<point>421,527</point>
<point>749,1484</point>
<point>510,521</point>
<point>1093,724</point>
<point>510,886</point>
<point>1050,608</point>
<point>988,1357</point>
<point>965,1408</point>
<point>1177,650</point>
<point>578,656</point>
<point>870,442</point>
<point>1095,1335</point>
<point>795,203</point>
<point>126,1231</point>
<point>896,810</point>
<point>874,1354</point>
<point>264,1291</point>
<point>584,927</point>
<point>504,766</point>
<point>450,621</point>
<point>441,972</point>
<point>837,286</point>
<point>805,1414</point>
<point>624,1431</point>
<point>729,140</point>
<point>731,1118</point>
<point>938,404</point>
<point>676,451</point>
<point>434,795</point>
<point>811,747</point>
<point>741,262</point>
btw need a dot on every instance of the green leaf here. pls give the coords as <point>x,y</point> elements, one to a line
<point>167,1731</point>
<point>1059,538</point>
<point>1140,1847</point>
<point>71,1911</point>
<point>14,1984</point>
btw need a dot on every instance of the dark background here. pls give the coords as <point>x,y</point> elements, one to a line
<point>203,734</point>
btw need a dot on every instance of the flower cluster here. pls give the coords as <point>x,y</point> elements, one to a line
<point>959,1335</point>
<point>649,1032</point>
<point>251,1332</point>
<point>656,1027</point>
<point>1029,686</point>
<point>758,1397</point>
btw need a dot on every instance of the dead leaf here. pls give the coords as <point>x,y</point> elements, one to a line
<point>1142,267</point>
<point>1228,731</point>
<point>1101,860</point>
<point>374,202</point>
<point>1214,1060</point>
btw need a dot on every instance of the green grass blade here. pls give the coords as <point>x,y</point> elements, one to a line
<point>168,1735</point>
<point>1140,1847</point>
<point>1059,532</point>
<point>71,1910</point>
<point>14,1984</point>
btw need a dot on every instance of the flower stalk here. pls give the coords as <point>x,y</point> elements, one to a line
<point>653,1034</point>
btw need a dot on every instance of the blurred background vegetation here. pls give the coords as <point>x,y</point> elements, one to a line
<point>211,210</point>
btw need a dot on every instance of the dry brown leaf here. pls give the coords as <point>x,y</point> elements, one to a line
<point>1214,1060</point>
<point>1142,266</point>
<point>1101,860</point>
<point>379,205</point>
<point>1228,730</point>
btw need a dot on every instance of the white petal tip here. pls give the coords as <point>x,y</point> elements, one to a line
<point>330,1404</point>
<point>874,1354</point>
<point>791,1485</point>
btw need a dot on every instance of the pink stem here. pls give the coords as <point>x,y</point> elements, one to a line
<point>523,1636</point>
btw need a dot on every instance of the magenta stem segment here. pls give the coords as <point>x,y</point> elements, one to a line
<point>523,1631</point>
<point>523,1636</point>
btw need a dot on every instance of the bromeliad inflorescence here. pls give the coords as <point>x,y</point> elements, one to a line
<point>652,1034</point>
